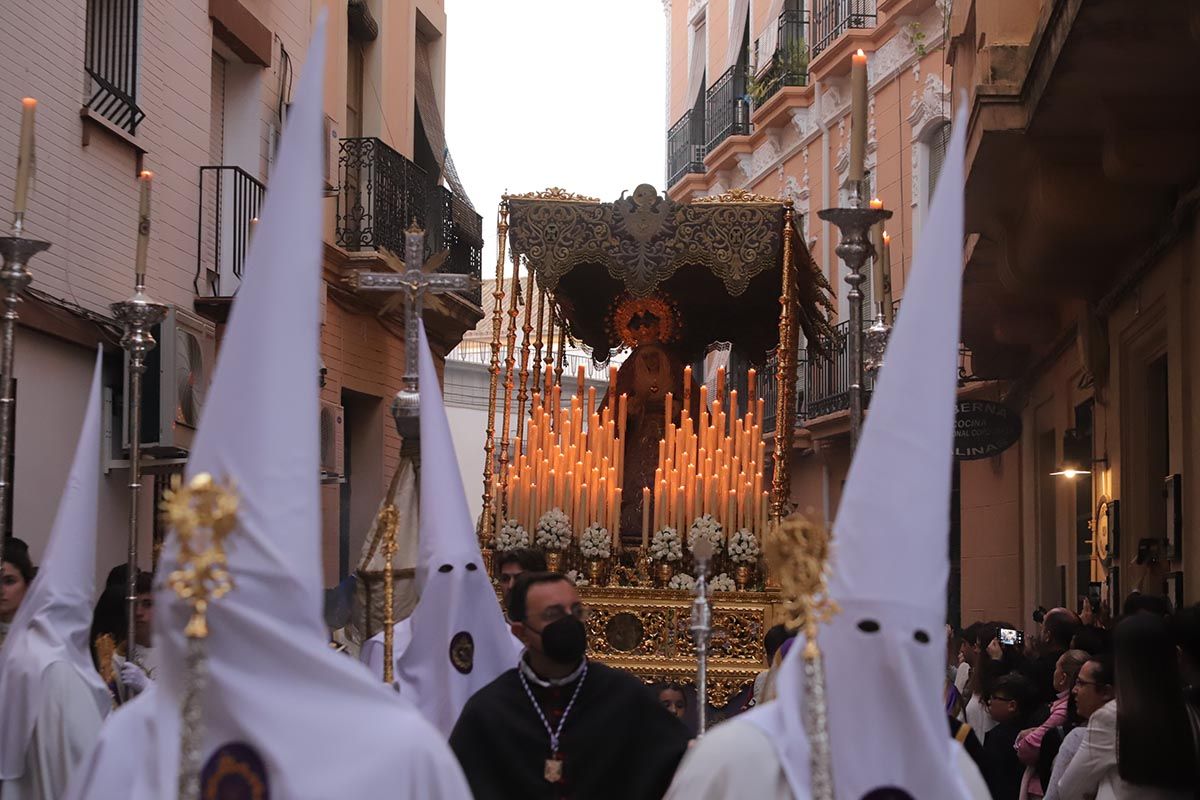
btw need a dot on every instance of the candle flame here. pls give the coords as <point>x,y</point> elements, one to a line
<point>28,102</point>
<point>860,53</point>
<point>887,238</point>
<point>146,175</point>
<point>876,203</point>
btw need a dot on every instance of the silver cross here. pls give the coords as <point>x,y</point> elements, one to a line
<point>418,279</point>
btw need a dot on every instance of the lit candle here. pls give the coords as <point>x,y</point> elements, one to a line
<point>858,116</point>
<point>731,523</point>
<point>24,156</point>
<point>254,230</point>
<point>668,408</point>
<point>582,380</point>
<point>619,452</point>
<point>143,238</point>
<point>720,383</point>
<point>751,388</point>
<point>687,390</point>
<point>876,203</point>
<point>551,494</point>
<point>614,518</point>
<point>646,516</point>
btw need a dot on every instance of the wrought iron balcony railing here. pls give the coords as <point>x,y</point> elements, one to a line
<point>829,379</point>
<point>768,390</point>
<point>229,198</point>
<point>832,18</point>
<point>685,147</point>
<point>111,57</point>
<point>789,63</point>
<point>726,112</point>
<point>381,193</point>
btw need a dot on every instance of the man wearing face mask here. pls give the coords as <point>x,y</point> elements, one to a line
<point>559,725</point>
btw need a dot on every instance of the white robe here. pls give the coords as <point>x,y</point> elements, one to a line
<point>66,730</point>
<point>371,653</point>
<point>736,760</point>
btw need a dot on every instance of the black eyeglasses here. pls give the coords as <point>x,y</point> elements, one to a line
<point>1082,682</point>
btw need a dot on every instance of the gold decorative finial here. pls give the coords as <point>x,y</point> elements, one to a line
<point>797,550</point>
<point>554,193</point>
<point>203,513</point>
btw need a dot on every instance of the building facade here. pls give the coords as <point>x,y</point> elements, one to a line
<point>198,92</point>
<point>1079,286</point>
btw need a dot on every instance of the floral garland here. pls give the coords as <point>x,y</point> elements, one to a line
<point>512,536</point>
<point>554,530</point>
<point>595,542</point>
<point>682,581</point>
<point>665,546</point>
<point>577,578</point>
<point>722,583</point>
<point>743,547</point>
<point>705,525</point>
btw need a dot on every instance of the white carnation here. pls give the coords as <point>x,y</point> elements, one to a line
<point>743,547</point>
<point>722,583</point>
<point>682,581</point>
<point>554,530</point>
<point>512,536</point>
<point>706,525</point>
<point>577,578</point>
<point>595,542</point>
<point>665,546</point>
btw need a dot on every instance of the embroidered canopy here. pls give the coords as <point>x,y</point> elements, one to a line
<point>718,259</point>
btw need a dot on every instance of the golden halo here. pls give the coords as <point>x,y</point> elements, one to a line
<point>639,320</point>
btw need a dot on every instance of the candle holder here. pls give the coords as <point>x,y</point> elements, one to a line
<point>875,342</point>
<point>701,628</point>
<point>855,248</point>
<point>138,315</point>
<point>16,251</point>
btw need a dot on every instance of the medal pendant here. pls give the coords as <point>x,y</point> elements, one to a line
<point>554,769</point>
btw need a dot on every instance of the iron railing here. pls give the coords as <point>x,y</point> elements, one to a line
<point>229,198</point>
<point>726,112</point>
<point>111,57</point>
<point>789,62</point>
<point>832,18</point>
<point>685,147</point>
<point>381,193</point>
<point>829,379</point>
<point>768,390</point>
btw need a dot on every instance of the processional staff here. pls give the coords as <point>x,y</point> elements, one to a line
<point>16,251</point>
<point>417,280</point>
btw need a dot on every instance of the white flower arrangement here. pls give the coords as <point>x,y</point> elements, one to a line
<point>705,525</point>
<point>577,578</point>
<point>595,542</point>
<point>682,581</point>
<point>665,546</point>
<point>554,530</point>
<point>743,547</point>
<point>722,583</point>
<point>512,536</point>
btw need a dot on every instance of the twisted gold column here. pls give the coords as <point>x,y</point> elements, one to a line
<point>526,329</point>
<point>510,360</point>
<point>786,374</point>
<point>489,445</point>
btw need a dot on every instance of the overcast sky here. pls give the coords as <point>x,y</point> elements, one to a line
<point>546,93</point>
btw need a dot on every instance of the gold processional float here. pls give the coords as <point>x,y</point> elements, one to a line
<point>616,489</point>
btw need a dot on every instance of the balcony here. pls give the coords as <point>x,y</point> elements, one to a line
<point>832,18</point>
<point>789,63</point>
<point>768,390</point>
<point>382,193</point>
<point>685,147</point>
<point>726,112</point>
<point>230,198</point>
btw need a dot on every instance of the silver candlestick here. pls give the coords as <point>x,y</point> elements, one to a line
<point>701,627</point>
<point>138,315</point>
<point>855,248</point>
<point>875,342</point>
<point>16,251</point>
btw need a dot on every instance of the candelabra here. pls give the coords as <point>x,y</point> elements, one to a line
<point>16,251</point>
<point>875,343</point>
<point>855,248</point>
<point>701,627</point>
<point>137,315</point>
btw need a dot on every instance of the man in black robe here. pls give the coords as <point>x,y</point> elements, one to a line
<point>560,726</point>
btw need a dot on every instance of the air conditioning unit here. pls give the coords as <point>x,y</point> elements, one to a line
<point>178,372</point>
<point>333,445</point>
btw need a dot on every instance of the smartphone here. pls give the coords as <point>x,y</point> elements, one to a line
<point>1011,637</point>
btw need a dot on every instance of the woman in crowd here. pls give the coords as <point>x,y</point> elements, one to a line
<point>1029,741</point>
<point>1093,689</point>
<point>1143,744</point>
<point>993,662</point>
<point>16,572</point>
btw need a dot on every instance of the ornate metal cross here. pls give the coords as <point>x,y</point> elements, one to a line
<point>418,279</point>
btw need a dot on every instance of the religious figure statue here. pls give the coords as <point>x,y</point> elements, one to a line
<point>654,369</point>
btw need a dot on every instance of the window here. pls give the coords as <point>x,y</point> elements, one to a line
<point>355,58</point>
<point>939,140</point>
<point>112,61</point>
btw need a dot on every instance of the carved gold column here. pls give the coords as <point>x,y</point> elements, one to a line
<point>526,329</point>
<point>562,338</point>
<point>536,369</point>
<point>489,445</point>
<point>510,360</point>
<point>786,373</point>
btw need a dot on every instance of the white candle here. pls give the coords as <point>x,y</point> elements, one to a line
<point>858,116</point>
<point>145,179</point>
<point>24,155</point>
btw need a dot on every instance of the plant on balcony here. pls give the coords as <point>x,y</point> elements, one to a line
<point>790,63</point>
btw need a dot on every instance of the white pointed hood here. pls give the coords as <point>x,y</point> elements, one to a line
<point>274,685</point>
<point>53,621</point>
<point>884,653</point>
<point>460,642</point>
